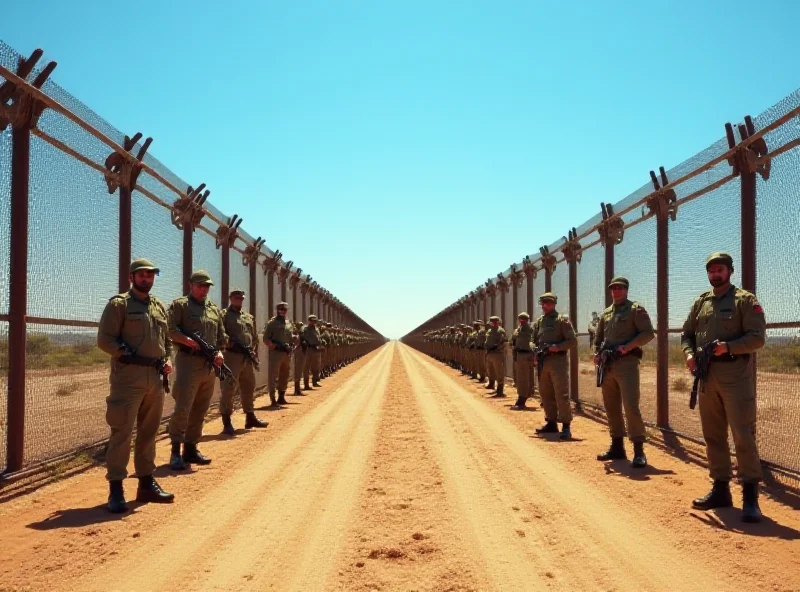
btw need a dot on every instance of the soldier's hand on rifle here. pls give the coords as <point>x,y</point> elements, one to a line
<point>167,368</point>
<point>553,349</point>
<point>691,364</point>
<point>622,350</point>
<point>218,359</point>
<point>721,349</point>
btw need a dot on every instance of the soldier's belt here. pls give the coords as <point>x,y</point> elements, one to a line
<point>728,358</point>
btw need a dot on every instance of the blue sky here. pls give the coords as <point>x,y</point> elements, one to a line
<point>403,152</point>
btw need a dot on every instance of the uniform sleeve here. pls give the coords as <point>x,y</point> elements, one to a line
<point>570,341</point>
<point>502,335</point>
<point>265,336</point>
<point>222,336</point>
<point>688,342</point>
<point>174,319</point>
<point>599,335</point>
<point>169,348</point>
<point>645,327</point>
<point>110,327</point>
<point>754,324</point>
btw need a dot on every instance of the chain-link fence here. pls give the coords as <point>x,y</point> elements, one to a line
<point>78,202</point>
<point>741,193</point>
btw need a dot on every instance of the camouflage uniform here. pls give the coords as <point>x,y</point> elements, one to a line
<point>278,332</point>
<point>522,341</point>
<point>136,396</point>
<point>728,397</point>
<point>313,340</point>
<point>495,343</point>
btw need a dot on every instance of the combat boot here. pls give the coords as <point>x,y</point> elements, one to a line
<point>253,422</point>
<point>316,384</point>
<point>490,385</point>
<point>639,459</point>
<point>150,491</point>
<point>175,459</point>
<point>192,455</point>
<point>306,387</point>
<point>718,497</point>
<point>227,426</point>
<point>550,427</point>
<point>297,391</point>
<point>520,404</point>
<point>116,498</point>
<point>750,511</point>
<point>566,432</point>
<point>272,401</point>
<point>615,452</point>
<point>499,394</point>
<point>281,397</point>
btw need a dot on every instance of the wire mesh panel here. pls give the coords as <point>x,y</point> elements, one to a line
<point>777,218</point>
<point>591,298</point>
<point>157,239</point>
<point>73,241</point>
<point>261,299</point>
<point>5,215</point>
<point>560,286</point>
<point>3,394</point>
<point>239,274</point>
<point>66,385</point>
<point>778,401</point>
<point>205,255</point>
<point>538,290</point>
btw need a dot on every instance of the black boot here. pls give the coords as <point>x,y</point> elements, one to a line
<point>718,497</point>
<point>750,510</point>
<point>520,404</point>
<point>227,426</point>
<point>272,400</point>
<point>615,452</point>
<point>566,432</point>
<point>639,459</point>
<point>490,385</point>
<point>116,498</point>
<point>150,491</point>
<point>500,394</point>
<point>297,391</point>
<point>253,422</point>
<point>192,455</point>
<point>316,383</point>
<point>175,459</point>
<point>550,427</point>
<point>282,398</point>
<point>306,387</point>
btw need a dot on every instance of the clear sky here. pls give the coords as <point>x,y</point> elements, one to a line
<point>402,152</point>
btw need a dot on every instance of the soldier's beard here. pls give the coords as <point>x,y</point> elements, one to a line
<point>143,288</point>
<point>717,281</point>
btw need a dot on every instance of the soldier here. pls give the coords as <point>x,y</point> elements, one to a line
<point>472,345</point>
<point>729,322</point>
<point>480,352</point>
<point>624,328</point>
<point>195,378</point>
<point>522,340</point>
<point>300,347</point>
<point>242,347</point>
<point>593,328</point>
<point>554,334</point>
<point>312,338</point>
<point>133,330</point>
<point>278,338</point>
<point>495,344</point>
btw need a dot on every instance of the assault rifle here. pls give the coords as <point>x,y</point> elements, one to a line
<point>607,356</point>
<point>702,358</point>
<point>222,371</point>
<point>129,356</point>
<point>241,348</point>
<point>539,354</point>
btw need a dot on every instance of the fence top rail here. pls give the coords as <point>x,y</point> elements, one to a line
<point>27,88</point>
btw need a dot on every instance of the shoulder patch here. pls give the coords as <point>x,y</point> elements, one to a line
<point>757,308</point>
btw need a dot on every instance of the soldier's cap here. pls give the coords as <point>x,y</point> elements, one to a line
<point>143,265</point>
<point>720,257</point>
<point>312,318</point>
<point>494,319</point>
<point>237,292</point>
<point>201,276</point>
<point>476,323</point>
<point>548,296</point>
<point>523,315</point>
<point>479,321</point>
<point>619,281</point>
<point>329,324</point>
<point>282,305</point>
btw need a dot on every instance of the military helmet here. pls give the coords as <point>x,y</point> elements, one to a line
<point>720,257</point>
<point>282,305</point>
<point>548,296</point>
<point>201,276</point>
<point>523,315</point>
<point>312,318</point>
<point>619,281</point>
<point>493,319</point>
<point>143,265</point>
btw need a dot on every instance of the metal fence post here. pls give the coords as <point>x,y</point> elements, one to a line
<point>250,259</point>
<point>22,112</point>
<point>187,213</point>
<point>226,238</point>
<point>530,275</point>
<point>611,230</point>
<point>573,253</point>
<point>662,204</point>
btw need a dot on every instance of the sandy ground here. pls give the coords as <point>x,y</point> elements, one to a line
<point>400,474</point>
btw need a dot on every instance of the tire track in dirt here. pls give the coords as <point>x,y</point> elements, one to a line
<point>511,489</point>
<point>407,534</point>
<point>276,524</point>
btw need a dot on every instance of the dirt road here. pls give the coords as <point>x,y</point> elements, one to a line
<point>400,475</point>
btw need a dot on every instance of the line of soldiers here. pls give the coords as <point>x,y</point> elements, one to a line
<point>723,330</point>
<point>141,335</point>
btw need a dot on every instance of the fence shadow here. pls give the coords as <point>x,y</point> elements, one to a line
<point>729,519</point>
